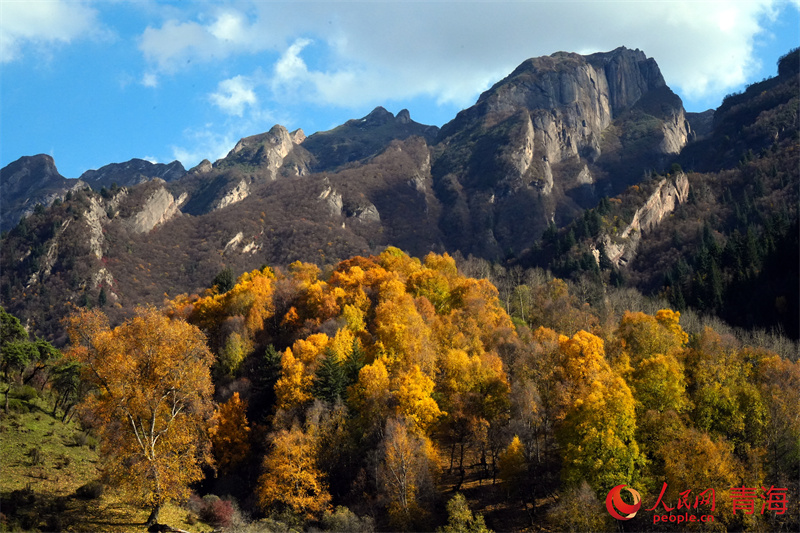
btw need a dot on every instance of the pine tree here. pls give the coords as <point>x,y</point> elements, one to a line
<point>329,383</point>
<point>355,361</point>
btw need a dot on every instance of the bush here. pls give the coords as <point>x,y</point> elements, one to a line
<point>25,393</point>
<point>36,455</point>
<point>343,519</point>
<point>82,438</point>
<point>78,438</point>
<point>215,511</point>
<point>91,491</point>
<point>63,461</point>
<point>15,405</point>
<point>578,509</point>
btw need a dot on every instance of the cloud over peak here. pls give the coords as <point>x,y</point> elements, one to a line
<point>234,94</point>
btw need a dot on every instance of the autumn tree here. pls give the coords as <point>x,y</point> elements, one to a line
<point>406,471</point>
<point>152,401</point>
<point>460,518</point>
<point>513,466</point>
<point>231,436</point>
<point>291,476</point>
<point>597,431</point>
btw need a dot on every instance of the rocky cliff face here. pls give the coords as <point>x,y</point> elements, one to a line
<point>159,207</point>
<point>264,154</point>
<point>669,193</point>
<point>237,194</point>
<point>531,150</point>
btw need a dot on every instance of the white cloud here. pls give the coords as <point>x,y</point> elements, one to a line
<point>213,140</point>
<point>349,54</point>
<point>206,143</point>
<point>234,94</point>
<point>43,24</point>
<point>178,44</point>
<point>149,79</point>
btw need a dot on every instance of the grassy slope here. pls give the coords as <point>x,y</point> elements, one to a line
<point>45,492</point>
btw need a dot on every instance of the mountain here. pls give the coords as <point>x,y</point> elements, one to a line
<point>27,182</point>
<point>132,172</point>
<point>549,140</point>
<point>35,180</point>
<point>574,163</point>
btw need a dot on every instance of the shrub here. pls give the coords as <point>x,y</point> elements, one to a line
<point>91,491</point>
<point>54,523</point>
<point>15,405</point>
<point>36,455</point>
<point>215,511</point>
<point>343,519</point>
<point>78,439</point>
<point>63,461</point>
<point>25,393</point>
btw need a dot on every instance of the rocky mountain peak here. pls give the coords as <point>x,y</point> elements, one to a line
<point>362,138</point>
<point>132,172</point>
<point>29,172</point>
<point>28,181</point>
<point>265,151</point>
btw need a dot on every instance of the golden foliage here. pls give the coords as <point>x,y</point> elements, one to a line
<point>231,435</point>
<point>152,401</point>
<point>291,477</point>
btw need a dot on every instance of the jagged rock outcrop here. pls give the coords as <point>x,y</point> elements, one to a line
<point>49,259</point>
<point>203,167</point>
<point>236,242</point>
<point>332,200</point>
<point>159,207</point>
<point>94,218</point>
<point>237,194</point>
<point>28,182</point>
<point>668,194</point>
<point>132,172</point>
<point>264,154</point>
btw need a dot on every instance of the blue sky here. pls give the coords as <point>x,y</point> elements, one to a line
<point>98,82</point>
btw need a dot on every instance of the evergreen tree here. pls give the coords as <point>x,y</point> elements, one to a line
<point>329,383</point>
<point>224,281</point>
<point>354,362</point>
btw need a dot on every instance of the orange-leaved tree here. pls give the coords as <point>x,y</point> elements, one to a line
<point>152,401</point>
<point>231,435</point>
<point>291,477</point>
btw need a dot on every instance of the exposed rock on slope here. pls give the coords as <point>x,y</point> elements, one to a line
<point>159,207</point>
<point>264,154</point>
<point>669,193</point>
<point>359,139</point>
<point>237,194</point>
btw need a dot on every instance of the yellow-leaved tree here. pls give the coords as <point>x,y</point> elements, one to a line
<point>231,435</point>
<point>291,476</point>
<point>152,401</point>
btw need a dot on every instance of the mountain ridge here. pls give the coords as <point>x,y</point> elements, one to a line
<point>490,183</point>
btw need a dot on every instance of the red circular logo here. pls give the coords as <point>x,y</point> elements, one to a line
<point>614,501</point>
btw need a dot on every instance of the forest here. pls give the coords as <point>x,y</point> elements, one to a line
<point>391,393</point>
